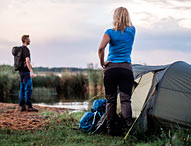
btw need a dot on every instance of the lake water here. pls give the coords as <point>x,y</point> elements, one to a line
<point>73,103</point>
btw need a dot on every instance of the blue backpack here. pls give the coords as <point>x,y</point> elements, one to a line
<point>99,106</point>
<point>90,119</point>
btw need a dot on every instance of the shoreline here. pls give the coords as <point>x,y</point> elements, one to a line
<point>12,118</point>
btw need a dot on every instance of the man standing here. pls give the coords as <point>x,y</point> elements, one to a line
<point>26,75</point>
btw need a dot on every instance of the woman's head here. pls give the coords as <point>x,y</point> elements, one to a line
<point>121,19</point>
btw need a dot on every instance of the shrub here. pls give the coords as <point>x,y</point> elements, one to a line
<point>51,81</point>
<point>74,85</point>
<point>5,85</point>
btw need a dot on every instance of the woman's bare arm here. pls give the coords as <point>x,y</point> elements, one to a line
<point>102,46</point>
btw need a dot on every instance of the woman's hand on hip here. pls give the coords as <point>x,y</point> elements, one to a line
<point>105,64</point>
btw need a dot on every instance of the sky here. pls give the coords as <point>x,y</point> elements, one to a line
<point>67,33</point>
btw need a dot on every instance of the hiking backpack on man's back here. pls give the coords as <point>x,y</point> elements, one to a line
<point>17,53</point>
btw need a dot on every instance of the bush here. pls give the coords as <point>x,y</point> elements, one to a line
<point>71,84</point>
<point>5,85</point>
<point>9,83</point>
<point>51,81</point>
<point>74,85</point>
<point>95,78</point>
<point>14,81</point>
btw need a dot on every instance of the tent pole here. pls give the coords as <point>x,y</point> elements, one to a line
<point>125,138</point>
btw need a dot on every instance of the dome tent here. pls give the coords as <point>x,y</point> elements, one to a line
<point>163,94</point>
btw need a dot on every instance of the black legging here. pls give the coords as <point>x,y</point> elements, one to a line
<point>122,79</point>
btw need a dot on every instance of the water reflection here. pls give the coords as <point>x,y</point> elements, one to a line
<point>69,105</point>
<point>73,103</point>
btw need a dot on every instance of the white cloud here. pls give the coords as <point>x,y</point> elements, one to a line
<point>4,4</point>
<point>43,20</point>
<point>70,30</point>
<point>146,13</point>
<point>160,57</point>
<point>185,23</point>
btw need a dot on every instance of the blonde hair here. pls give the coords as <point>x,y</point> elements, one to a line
<point>121,19</point>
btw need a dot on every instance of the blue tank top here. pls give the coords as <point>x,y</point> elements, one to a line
<point>120,45</point>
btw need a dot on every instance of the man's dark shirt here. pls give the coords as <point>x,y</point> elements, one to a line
<point>25,54</point>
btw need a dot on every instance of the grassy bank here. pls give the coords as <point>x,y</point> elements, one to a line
<point>67,83</point>
<point>63,130</point>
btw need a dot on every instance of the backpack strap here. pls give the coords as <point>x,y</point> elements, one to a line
<point>100,114</point>
<point>93,122</point>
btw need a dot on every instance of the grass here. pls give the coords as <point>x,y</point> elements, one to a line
<point>63,131</point>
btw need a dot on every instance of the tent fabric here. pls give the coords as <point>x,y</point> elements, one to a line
<point>140,93</point>
<point>140,70</point>
<point>169,96</point>
<point>173,100</point>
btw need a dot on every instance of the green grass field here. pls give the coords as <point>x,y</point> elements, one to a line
<point>63,131</point>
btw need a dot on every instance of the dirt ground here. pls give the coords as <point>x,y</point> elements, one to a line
<point>12,118</point>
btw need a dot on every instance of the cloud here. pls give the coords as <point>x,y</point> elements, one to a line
<point>66,51</point>
<point>148,12</point>
<point>160,57</point>
<point>4,4</point>
<point>68,32</point>
<point>166,34</point>
<point>43,19</point>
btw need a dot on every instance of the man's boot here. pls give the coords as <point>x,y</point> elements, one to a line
<point>23,108</point>
<point>31,109</point>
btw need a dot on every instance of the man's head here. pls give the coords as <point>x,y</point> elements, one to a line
<point>25,39</point>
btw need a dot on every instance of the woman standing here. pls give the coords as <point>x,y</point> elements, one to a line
<point>118,73</point>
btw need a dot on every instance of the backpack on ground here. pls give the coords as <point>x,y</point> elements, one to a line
<point>17,53</point>
<point>99,105</point>
<point>101,124</point>
<point>90,119</point>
